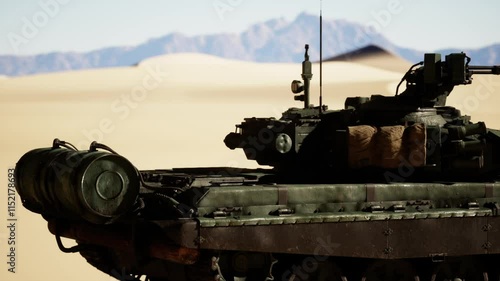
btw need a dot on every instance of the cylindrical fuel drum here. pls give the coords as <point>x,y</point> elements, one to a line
<point>95,186</point>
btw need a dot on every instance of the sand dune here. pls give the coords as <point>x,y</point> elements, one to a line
<point>190,59</point>
<point>184,76</point>
<point>170,111</point>
<point>375,56</point>
<point>256,74</point>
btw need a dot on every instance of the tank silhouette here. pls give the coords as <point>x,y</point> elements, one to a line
<point>388,188</point>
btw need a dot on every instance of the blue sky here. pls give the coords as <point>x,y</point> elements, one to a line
<point>41,26</point>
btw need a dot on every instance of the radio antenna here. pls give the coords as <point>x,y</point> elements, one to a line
<point>321,56</point>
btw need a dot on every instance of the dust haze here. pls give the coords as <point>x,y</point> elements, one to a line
<point>172,111</point>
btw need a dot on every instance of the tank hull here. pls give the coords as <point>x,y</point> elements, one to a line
<point>261,229</point>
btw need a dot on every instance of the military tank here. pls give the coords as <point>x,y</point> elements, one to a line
<point>397,187</point>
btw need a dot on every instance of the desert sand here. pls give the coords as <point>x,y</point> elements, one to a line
<point>170,111</point>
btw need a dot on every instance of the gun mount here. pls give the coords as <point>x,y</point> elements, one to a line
<point>430,84</point>
<point>387,188</point>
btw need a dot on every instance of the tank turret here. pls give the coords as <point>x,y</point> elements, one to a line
<point>377,135</point>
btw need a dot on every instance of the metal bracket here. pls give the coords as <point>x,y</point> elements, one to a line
<point>488,190</point>
<point>224,212</point>
<point>216,268</point>
<point>282,195</point>
<point>473,206</point>
<point>74,249</point>
<point>282,212</point>
<point>494,206</point>
<point>271,277</point>
<point>418,203</point>
<point>398,208</point>
<point>375,209</point>
<point>370,192</point>
<point>438,257</point>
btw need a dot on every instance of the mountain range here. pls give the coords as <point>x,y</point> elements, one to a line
<point>276,40</point>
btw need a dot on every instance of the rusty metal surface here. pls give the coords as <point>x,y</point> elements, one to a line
<point>334,239</point>
<point>391,239</point>
<point>423,238</point>
<point>120,237</point>
<point>492,230</point>
<point>182,233</point>
<point>160,247</point>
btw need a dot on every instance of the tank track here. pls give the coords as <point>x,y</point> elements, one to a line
<point>122,266</point>
<point>240,266</point>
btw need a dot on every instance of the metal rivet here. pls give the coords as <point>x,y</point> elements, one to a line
<point>487,227</point>
<point>486,245</point>
<point>388,232</point>
<point>388,250</point>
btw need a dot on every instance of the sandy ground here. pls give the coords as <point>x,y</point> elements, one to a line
<point>168,111</point>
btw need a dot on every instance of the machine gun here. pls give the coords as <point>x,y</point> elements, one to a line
<point>431,83</point>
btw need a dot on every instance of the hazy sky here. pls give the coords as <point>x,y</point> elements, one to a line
<point>40,26</point>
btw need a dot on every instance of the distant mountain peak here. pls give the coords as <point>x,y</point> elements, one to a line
<point>306,15</point>
<point>274,40</point>
<point>276,23</point>
<point>306,18</point>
